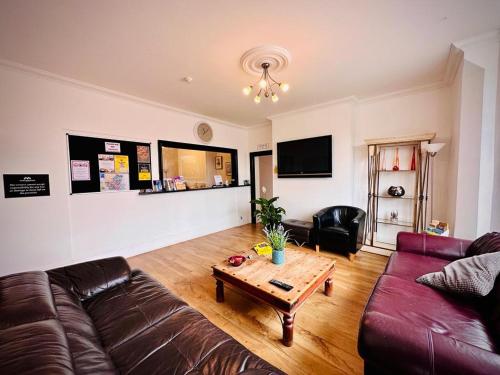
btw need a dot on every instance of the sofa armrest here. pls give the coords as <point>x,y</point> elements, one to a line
<point>436,246</point>
<point>90,278</point>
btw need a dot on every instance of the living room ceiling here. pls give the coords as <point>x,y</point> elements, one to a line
<point>144,48</point>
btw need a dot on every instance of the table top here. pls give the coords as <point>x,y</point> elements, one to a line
<point>305,271</point>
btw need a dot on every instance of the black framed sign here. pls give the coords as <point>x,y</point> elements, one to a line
<point>26,185</point>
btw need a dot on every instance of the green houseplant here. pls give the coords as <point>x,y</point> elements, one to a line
<point>267,213</point>
<point>277,237</point>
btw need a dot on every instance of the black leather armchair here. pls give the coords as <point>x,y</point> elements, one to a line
<point>340,228</point>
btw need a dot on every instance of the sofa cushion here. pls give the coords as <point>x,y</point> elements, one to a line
<point>35,348</point>
<point>415,305</point>
<point>488,243</point>
<point>89,357</point>
<point>128,309</point>
<point>25,297</point>
<point>409,266</point>
<point>185,342</point>
<point>473,276</point>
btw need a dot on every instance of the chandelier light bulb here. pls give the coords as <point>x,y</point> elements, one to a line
<point>274,98</point>
<point>257,99</point>
<point>284,87</point>
<point>247,90</point>
<point>262,83</point>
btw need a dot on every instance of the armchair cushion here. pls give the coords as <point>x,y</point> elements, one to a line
<point>336,230</point>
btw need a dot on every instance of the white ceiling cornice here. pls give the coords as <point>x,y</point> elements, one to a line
<point>489,36</point>
<point>405,92</point>
<point>102,90</point>
<point>314,107</point>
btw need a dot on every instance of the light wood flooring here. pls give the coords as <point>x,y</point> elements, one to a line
<point>325,328</point>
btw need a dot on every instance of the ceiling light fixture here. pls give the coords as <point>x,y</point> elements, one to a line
<point>260,62</point>
<point>267,86</point>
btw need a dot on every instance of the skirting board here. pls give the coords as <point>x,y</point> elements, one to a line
<point>377,250</point>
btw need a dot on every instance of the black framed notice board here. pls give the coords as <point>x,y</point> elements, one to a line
<point>101,165</point>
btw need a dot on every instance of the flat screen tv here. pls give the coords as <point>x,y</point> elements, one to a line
<point>309,157</point>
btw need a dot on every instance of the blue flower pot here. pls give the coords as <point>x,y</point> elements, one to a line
<point>278,256</point>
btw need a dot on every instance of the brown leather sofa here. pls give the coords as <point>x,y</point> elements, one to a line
<point>100,318</point>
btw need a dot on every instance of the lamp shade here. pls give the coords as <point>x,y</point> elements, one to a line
<point>433,148</point>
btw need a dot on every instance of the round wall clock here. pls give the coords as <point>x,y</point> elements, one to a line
<point>204,131</point>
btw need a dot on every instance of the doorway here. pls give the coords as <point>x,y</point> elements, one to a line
<point>261,177</point>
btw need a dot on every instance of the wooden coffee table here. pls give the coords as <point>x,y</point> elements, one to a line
<point>305,271</point>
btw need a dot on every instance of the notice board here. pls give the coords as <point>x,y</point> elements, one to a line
<point>101,165</point>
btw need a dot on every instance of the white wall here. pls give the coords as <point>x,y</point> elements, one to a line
<point>302,197</point>
<point>456,98</point>
<point>403,114</point>
<point>484,52</point>
<point>259,138</point>
<point>495,213</point>
<point>469,152</point>
<point>351,122</point>
<point>36,112</point>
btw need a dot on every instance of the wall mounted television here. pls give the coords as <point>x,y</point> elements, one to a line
<point>309,157</point>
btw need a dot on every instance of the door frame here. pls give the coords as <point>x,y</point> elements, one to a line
<point>253,155</point>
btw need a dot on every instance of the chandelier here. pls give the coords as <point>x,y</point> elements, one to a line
<point>267,86</point>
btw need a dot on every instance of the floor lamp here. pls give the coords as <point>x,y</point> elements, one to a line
<point>431,150</point>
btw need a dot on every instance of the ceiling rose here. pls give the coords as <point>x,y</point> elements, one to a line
<point>260,61</point>
<point>277,57</point>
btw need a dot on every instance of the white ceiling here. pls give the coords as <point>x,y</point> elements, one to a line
<point>144,47</point>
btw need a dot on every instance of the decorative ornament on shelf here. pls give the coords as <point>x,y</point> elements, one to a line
<point>395,165</point>
<point>383,168</point>
<point>396,191</point>
<point>413,161</point>
<point>260,61</point>
<point>394,214</point>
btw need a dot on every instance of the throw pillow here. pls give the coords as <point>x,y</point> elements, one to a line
<point>473,276</point>
<point>488,243</point>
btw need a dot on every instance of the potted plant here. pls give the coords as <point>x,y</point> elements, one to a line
<point>267,213</point>
<point>277,237</point>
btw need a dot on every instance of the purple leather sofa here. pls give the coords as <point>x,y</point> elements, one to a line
<point>409,328</point>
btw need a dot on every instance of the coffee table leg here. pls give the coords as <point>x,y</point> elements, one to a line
<point>329,287</point>
<point>219,291</point>
<point>288,329</point>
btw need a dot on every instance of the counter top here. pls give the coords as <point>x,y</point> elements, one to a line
<point>183,191</point>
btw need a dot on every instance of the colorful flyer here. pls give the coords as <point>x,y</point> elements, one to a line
<point>114,181</point>
<point>106,163</point>
<point>143,155</point>
<point>144,172</point>
<point>80,170</point>
<point>121,164</point>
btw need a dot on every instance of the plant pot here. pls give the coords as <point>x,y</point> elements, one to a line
<point>278,256</point>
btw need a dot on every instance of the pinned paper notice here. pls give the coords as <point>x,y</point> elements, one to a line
<point>112,146</point>
<point>80,170</point>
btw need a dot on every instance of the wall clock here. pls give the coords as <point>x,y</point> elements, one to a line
<point>204,132</point>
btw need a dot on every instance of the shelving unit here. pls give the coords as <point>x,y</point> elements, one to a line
<point>380,229</point>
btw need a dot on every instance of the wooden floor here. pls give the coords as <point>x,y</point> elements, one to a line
<point>325,329</point>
